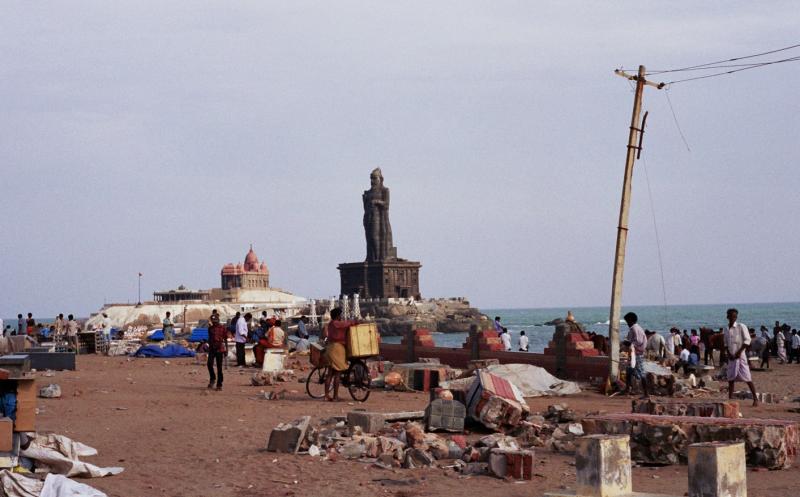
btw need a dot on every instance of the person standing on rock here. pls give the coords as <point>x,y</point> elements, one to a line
<point>638,342</point>
<point>217,349</point>
<point>737,341</point>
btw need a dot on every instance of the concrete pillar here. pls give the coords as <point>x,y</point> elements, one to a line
<point>603,466</point>
<point>717,469</point>
<point>473,341</point>
<point>411,354</point>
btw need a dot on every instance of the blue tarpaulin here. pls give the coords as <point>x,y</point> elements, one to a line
<point>198,335</point>
<point>171,350</point>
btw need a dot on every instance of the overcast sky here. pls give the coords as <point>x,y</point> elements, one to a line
<point>165,137</point>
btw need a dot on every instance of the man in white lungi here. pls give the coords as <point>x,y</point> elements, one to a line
<point>737,341</point>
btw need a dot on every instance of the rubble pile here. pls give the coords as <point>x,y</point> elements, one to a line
<point>686,407</point>
<point>366,437</point>
<point>655,439</point>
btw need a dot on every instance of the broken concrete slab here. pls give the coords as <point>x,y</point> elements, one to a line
<point>371,422</point>
<point>769,443</point>
<point>512,464</point>
<point>686,407</point>
<point>287,437</point>
<point>495,402</point>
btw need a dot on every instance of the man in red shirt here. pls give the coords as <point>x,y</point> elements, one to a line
<point>217,348</point>
<point>335,352</point>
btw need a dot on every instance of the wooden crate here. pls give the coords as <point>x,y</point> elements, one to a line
<point>26,405</point>
<point>317,354</point>
<point>363,340</point>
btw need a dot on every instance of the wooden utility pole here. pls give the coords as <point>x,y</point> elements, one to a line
<point>634,146</point>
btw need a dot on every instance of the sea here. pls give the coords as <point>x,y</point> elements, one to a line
<point>656,318</point>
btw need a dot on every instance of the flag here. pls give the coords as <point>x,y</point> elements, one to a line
<point>140,275</point>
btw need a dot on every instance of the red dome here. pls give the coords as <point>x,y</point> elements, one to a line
<point>251,261</point>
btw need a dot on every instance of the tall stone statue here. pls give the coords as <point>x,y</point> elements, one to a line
<point>376,220</point>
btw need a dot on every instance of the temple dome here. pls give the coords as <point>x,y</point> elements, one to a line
<point>251,261</point>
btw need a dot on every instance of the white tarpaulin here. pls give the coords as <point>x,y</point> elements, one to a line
<point>59,454</point>
<point>533,381</point>
<point>22,485</point>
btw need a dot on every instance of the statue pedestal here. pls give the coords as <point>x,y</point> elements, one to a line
<point>392,278</point>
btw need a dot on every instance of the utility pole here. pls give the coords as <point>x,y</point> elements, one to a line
<point>634,150</point>
<point>140,289</point>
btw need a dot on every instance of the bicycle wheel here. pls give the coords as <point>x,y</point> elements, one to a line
<point>359,381</point>
<point>315,383</point>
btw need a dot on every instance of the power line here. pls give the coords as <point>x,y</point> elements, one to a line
<point>726,60</point>
<point>755,66</point>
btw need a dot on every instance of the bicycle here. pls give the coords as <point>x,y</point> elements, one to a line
<point>355,378</point>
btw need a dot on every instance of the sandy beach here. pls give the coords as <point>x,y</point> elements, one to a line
<point>175,438</point>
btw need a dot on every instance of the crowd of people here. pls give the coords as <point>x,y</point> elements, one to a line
<point>266,333</point>
<point>736,343</point>
<point>61,329</point>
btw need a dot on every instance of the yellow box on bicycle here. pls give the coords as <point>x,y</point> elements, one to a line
<point>363,340</point>
<point>317,354</point>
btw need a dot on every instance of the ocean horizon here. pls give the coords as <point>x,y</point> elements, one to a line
<point>658,318</point>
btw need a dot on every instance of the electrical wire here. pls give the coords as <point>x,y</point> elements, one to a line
<point>701,66</point>
<point>675,118</point>
<point>755,66</point>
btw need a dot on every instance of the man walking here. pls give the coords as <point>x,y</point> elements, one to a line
<point>780,343</point>
<point>217,349</point>
<point>737,341</point>
<point>240,338</point>
<point>20,325</point>
<point>638,342</point>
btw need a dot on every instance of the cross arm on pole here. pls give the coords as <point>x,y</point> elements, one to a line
<point>634,77</point>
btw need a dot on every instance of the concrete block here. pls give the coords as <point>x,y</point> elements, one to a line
<point>717,470</point>
<point>603,466</point>
<point>371,422</point>
<point>287,437</point>
<point>447,415</point>
<point>512,464</point>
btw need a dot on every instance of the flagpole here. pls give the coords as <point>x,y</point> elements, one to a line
<point>140,288</point>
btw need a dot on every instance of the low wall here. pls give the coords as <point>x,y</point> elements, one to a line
<point>577,368</point>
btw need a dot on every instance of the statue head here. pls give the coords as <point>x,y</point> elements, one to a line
<point>376,178</point>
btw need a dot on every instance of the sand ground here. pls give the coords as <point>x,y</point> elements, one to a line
<point>175,438</point>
